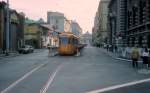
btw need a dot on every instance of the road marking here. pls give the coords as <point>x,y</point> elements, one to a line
<point>120,86</point>
<point>123,59</point>
<point>21,79</point>
<point>50,80</point>
<point>144,71</point>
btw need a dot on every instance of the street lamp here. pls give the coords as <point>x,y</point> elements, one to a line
<point>7,29</point>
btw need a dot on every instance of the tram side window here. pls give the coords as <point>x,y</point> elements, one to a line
<point>75,42</point>
<point>70,41</point>
<point>64,40</point>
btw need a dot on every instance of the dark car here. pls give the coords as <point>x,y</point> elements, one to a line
<point>26,49</point>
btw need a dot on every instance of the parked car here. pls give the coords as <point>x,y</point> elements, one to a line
<point>26,49</point>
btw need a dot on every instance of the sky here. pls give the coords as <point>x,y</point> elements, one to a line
<point>82,11</point>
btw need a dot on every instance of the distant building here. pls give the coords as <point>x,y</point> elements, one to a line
<point>57,20</point>
<point>86,38</point>
<point>51,37</point>
<point>103,13</point>
<point>41,21</point>
<point>67,25</point>
<point>95,31</point>
<point>76,29</point>
<point>100,31</point>
<point>36,35</point>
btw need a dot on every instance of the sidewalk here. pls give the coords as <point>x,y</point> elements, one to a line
<point>10,55</point>
<point>14,54</point>
<point>111,54</point>
<point>115,55</point>
<point>141,70</point>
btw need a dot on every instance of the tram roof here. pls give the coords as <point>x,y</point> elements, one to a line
<point>69,34</point>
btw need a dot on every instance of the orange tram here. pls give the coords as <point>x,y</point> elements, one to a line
<point>68,43</point>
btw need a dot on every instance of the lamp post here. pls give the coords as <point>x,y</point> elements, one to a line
<point>7,29</point>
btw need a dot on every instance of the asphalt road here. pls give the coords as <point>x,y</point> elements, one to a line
<point>91,72</point>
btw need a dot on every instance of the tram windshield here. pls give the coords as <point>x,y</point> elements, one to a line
<point>64,40</point>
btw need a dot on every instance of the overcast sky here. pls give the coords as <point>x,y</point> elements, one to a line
<point>83,11</point>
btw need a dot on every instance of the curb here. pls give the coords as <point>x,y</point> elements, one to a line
<point>118,58</point>
<point>123,59</point>
<point>1,57</point>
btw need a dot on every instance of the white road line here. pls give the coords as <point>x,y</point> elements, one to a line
<point>21,79</point>
<point>50,80</point>
<point>123,59</point>
<point>126,60</point>
<point>120,86</point>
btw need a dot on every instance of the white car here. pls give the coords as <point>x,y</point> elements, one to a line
<point>26,49</point>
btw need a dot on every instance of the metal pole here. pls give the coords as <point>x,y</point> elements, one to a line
<point>7,30</point>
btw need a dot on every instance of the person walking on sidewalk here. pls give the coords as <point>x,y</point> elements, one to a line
<point>145,56</point>
<point>149,59</point>
<point>135,56</point>
<point>49,49</point>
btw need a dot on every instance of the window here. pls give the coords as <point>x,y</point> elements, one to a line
<point>70,41</point>
<point>64,40</point>
<point>75,41</point>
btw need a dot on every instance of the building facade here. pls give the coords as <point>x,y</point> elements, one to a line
<point>86,38</point>
<point>33,35</point>
<point>47,35</point>
<point>57,20</point>
<point>20,31</point>
<point>138,28</point>
<point>76,29</point>
<point>67,25</point>
<point>100,29</point>
<point>129,23</point>
<point>2,26</point>
<point>117,22</point>
<point>16,29</point>
<point>103,13</point>
<point>14,21</point>
<point>95,34</point>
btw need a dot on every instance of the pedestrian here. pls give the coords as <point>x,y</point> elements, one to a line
<point>78,52</point>
<point>116,49</point>
<point>149,59</point>
<point>109,47</point>
<point>145,56</point>
<point>135,56</point>
<point>49,48</point>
